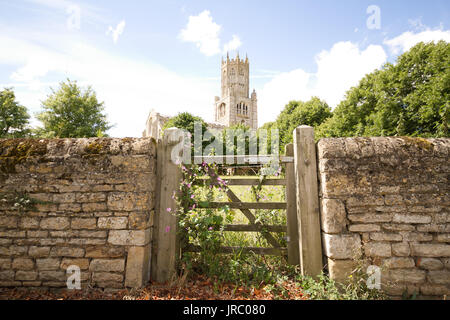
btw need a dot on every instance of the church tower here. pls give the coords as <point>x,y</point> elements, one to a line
<point>236,105</point>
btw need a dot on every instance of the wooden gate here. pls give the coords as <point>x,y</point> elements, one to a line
<point>302,207</point>
<point>235,203</point>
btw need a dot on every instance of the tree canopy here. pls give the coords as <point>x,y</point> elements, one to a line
<point>408,98</point>
<point>14,118</point>
<point>186,121</point>
<point>311,113</point>
<point>295,113</point>
<point>72,112</point>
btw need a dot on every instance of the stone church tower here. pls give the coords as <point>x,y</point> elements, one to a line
<point>236,105</point>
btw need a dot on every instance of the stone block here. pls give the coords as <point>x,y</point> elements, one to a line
<point>129,237</point>
<point>83,264</point>
<point>378,249</point>
<point>399,263</point>
<point>106,277</point>
<point>125,201</point>
<point>430,263</point>
<point>138,221</point>
<point>430,250</point>
<point>434,290</point>
<point>64,197</point>
<point>112,222</point>
<point>333,216</point>
<point>138,266</point>
<point>84,223</point>
<point>26,275</point>
<point>5,263</point>
<point>48,264</point>
<point>91,197</point>
<point>370,217</point>
<point>38,252</point>
<point>417,236</point>
<point>443,237</point>
<point>341,246</point>
<point>383,236</point>
<point>364,227</point>
<point>340,270</point>
<point>411,218</point>
<point>23,264</point>
<point>93,207</point>
<point>401,249</point>
<point>439,277</point>
<point>57,223</point>
<point>53,276</point>
<point>414,276</point>
<point>7,275</point>
<point>71,252</point>
<point>8,222</point>
<point>29,223</point>
<point>105,252</point>
<point>114,265</point>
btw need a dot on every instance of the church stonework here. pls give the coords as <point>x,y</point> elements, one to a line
<point>236,104</point>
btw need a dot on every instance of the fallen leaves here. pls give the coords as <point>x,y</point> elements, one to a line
<point>198,288</point>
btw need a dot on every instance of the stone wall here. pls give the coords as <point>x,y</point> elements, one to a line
<point>84,202</point>
<point>390,198</point>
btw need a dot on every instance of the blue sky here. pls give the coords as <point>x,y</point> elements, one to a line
<point>165,55</point>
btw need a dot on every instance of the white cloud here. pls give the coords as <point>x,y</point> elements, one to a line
<point>337,70</point>
<point>233,44</point>
<point>408,39</point>
<point>204,32</point>
<point>115,33</point>
<point>129,88</point>
<point>279,91</point>
<point>342,67</point>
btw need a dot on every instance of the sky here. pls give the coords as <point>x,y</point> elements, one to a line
<point>166,55</point>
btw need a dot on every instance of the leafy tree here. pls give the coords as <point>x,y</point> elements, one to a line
<point>14,118</point>
<point>186,121</point>
<point>410,97</point>
<point>71,112</point>
<point>296,113</point>
<point>311,113</point>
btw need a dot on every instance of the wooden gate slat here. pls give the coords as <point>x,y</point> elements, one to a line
<point>254,228</point>
<point>248,182</point>
<point>225,159</point>
<point>249,215</point>
<point>246,205</point>
<point>258,250</point>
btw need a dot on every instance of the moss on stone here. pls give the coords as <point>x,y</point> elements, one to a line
<point>99,146</point>
<point>16,151</point>
<point>420,143</point>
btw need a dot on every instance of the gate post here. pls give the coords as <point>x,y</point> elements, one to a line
<point>308,217</point>
<point>166,246</point>
<point>291,210</point>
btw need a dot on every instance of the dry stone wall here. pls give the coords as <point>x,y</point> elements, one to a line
<point>389,199</point>
<point>85,202</point>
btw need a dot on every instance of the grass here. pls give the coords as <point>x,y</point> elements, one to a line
<point>268,217</point>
